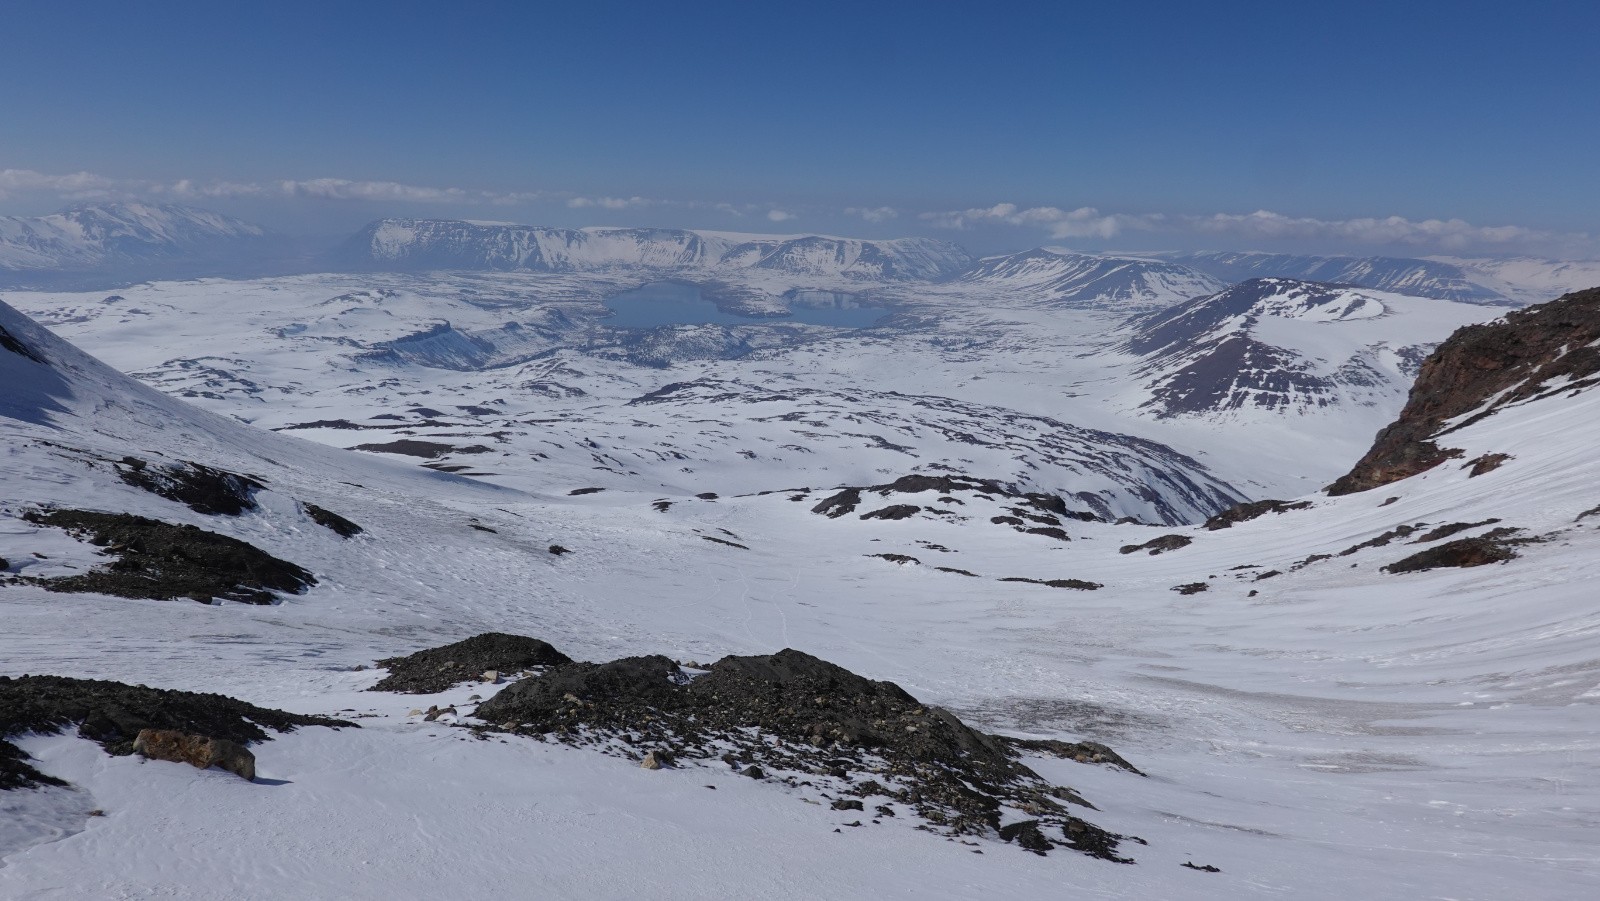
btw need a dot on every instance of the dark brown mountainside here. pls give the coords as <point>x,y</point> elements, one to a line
<point>1544,350</point>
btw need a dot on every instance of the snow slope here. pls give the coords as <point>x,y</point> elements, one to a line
<point>1328,731</point>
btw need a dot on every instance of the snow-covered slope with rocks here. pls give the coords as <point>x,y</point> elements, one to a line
<point>1312,724</point>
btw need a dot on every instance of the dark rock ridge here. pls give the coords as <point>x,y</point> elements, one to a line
<point>10,342</point>
<point>1249,510</point>
<point>162,561</point>
<point>332,521</point>
<point>213,492</point>
<point>809,723</point>
<point>1495,546</point>
<point>438,669</point>
<point>1032,506</point>
<point>1534,353</point>
<point>1158,545</point>
<point>113,714</point>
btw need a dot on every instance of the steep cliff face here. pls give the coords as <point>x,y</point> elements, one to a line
<point>1539,352</point>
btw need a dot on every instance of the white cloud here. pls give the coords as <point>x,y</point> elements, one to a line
<point>1265,225</point>
<point>608,203</point>
<point>1083,222</point>
<point>779,215</point>
<point>1446,234</point>
<point>873,214</point>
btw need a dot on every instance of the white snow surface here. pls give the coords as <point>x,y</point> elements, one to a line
<point>1329,732</point>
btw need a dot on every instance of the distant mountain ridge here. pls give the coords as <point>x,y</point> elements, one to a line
<point>455,244</point>
<point>120,234</point>
<point>1090,281</point>
<point>1416,277</point>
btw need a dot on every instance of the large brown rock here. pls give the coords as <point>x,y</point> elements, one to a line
<point>1546,349</point>
<point>196,750</point>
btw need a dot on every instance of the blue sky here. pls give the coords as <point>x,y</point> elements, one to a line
<point>1342,127</point>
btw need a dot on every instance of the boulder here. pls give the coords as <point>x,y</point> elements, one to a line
<point>200,751</point>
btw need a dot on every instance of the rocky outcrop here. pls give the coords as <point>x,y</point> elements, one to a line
<point>188,725</point>
<point>1249,510</point>
<point>437,669</point>
<point>163,561</point>
<point>791,717</point>
<point>1538,352</point>
<point>199,751</point>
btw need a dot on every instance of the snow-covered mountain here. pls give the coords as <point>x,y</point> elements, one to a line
<point>1419,278</point>
<point>411,244</point>
<point>1084,281</point>
<point>122,235</point>
<point>1285,347</point>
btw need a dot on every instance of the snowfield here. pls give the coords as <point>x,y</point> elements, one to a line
<point>1311,725</point>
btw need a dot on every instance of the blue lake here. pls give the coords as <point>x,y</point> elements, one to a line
<point>677,303</point>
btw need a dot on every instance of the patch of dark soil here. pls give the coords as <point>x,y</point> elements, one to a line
<point>1208,868</point>
<point>838,505</point>
<point>1592,511</point>
<point>661,506</point>
<point>959,572</point>
<point>113,714</point>
<point>1005,520</point>
<point>901,559</point>
<point>12,343</point>
<point>483,528</point>
<point>707,495</point>
<point>328,519</point>
<point>1531,353</point>
<point>725,541</point>
<point>214,492</point>
<point>1191,587</point>
<point>162,561</point>
<point>1080,751</point>
<point>1384,539</point>
<point>438,669</point>
<point>791,715</point>
<point>1495,546</point>
<point>1158,545</point>
<point>1485,463</point>
<point>558,550</point>
<point>1267,575</point>
<point>1245,512</point>
<point>581,491</point>
<point>1451,528</point>
<point>894,511</point>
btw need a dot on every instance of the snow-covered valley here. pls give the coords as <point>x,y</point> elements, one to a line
<point>1308,723</point>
